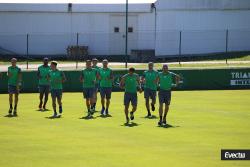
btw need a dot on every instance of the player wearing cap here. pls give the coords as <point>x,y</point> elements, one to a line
<point>130,82</point>
<point>14,83</point>
<point>149,79</point>
<point>43,85</point>
<point>106,82</point>
<point>56,78</point>
<point>166,82</point>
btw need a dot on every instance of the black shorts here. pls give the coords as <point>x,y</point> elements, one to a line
<point>164,96</point>
<point>105,92</point>
<point>43,88</point>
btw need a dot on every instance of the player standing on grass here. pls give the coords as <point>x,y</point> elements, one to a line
<point>106,83</point>
<point>94,66</point>
<point>130,82</point>
<point>88,78</point>
<point>166,81</point>
<point>149,78</point>
<point>56,78</point>
<point>14,83</point>
<point>44,84</point>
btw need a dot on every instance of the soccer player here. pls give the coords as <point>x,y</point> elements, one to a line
<point>94,66</point>
<point>44,84</point>
<point>56,78</point>
<point>14,83</point>
<point>149,78</point>
<point>106,82</point>
<point>88,78</point>
<point>130,82</point>
<point>166,81</point>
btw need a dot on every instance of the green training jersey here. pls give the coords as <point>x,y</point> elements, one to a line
<point>43,73</point>
<point>106,77</point>
<point>150,78</point>
<point>166,80</point>
<point>13,74</point>
<point>89,77</point>
<point>56,78</point>
<point>96,67</point>
<point>131,83</point>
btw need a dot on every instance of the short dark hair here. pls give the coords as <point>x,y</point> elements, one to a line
<point>132,69</point>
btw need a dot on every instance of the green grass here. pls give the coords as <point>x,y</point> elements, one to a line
<point>204,122</point>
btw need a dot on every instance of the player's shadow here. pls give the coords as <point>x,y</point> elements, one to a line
<point>131,124</point>
<point>10,116</point>
<point>43,110</point>
<point>104,116</point>
<point>151,117</point>
<point>54,117</point>
<point>168,126</point>
<point>87,118</point>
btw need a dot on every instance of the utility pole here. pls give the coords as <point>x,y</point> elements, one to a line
<point>126,43</point>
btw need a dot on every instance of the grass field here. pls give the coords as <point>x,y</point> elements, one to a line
<point>203,123</point>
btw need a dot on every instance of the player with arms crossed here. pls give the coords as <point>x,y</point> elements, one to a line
<point>106,82</point>
<point>130,82</point>
<point>44,84</point>
<point>14,83</point>
<point>149,79</point>
<point>56,78</point>
<point>88,78</point>
<point>166,82</point>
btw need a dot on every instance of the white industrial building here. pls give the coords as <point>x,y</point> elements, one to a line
<point>202,26</point>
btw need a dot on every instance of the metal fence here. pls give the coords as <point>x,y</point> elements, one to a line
<point>171,43</point>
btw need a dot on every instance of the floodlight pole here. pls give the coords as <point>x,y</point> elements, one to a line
<point>126,43</point>
<point>226,46</point>
<point>27,51</point>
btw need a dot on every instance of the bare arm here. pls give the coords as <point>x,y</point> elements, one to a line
<point>111,76</point>
<point>98,76</point>
<point>139,84</point>
<point>63,77</point>
<point>122,82</point>
<point>177,79</point>
<point>81,78</point>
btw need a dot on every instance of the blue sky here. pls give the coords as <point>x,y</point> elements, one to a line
<point>76,1</point>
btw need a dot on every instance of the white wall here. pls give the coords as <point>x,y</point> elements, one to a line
<point>51,33</point>
<point>202,31</point>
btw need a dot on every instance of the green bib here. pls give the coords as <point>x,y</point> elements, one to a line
<point>43,71</point>
<point>105,75</point>
<point>13,75</point>
<point>89,78</point>
<point>166,80</point>
<point>131,83</point>
<point>56,79</point>
<point>97,70</point>
<point>150,78</point>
